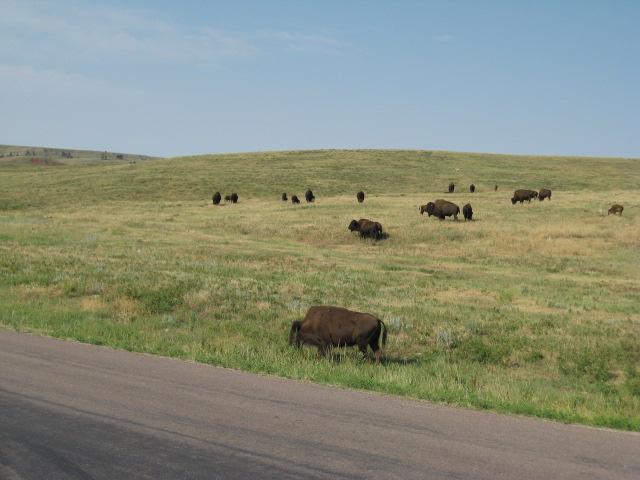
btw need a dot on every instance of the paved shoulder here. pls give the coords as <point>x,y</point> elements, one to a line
<point>69,410</point>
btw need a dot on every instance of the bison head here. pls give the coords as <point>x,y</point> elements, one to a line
<point>513,200</point>
<point>354,225</point>
<point>430,208</point>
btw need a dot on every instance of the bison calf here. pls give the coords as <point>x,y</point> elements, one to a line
<point>360,196</point>
<point>366,228</point>
<point>544,193</point>
<point>616,209</point>
<point>227,198</point>
<point>325,327</point>
<point>467,211</point>
<point>295,199</point>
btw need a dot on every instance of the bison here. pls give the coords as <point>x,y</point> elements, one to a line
<point>308,196</point>
<point>234,198</point>
<point>495,188</point>
<point>284,197</point>
<point>451,187</point>
<point>216,198</point>
<point>367,228</point>
<point>616,209</point>
<point>442,208</point>
<point>467,211</point>
<point>544,193</point>
<point>295,199</point>
<point>522,195</point>
<point>227,198</point>
<point>472,188</point>
<point>360,196</point>
<point>326,326</point>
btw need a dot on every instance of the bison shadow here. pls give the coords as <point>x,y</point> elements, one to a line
<point>339,355</point>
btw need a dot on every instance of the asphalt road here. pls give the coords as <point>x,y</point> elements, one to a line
<point>75,411</point>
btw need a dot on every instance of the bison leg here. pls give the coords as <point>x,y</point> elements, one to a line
<point>363,348</point>
<point>322,351</point>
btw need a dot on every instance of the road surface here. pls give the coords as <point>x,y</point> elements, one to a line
<point>75,411</point>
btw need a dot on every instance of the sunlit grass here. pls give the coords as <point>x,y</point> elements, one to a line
<point>531,309</point>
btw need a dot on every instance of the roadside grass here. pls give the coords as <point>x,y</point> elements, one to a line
<point>531,309</point>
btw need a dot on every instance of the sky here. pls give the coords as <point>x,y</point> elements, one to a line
<point>176,78</point>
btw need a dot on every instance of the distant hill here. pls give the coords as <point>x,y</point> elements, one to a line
<point>45,156</point>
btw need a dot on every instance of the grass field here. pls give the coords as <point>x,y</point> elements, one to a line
<point>531,309</point>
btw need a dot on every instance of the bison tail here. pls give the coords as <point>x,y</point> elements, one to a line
<point>383,329</point>
<point>293,333</point>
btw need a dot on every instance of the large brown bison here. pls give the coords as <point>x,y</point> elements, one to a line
<point>360,196</point>
<point>522,195</point>
<point>467,211</point>
<point>216,198</point>
<point>295,199</point>
<point>367,228</point>
<point>325,327</point>
<point>284,197</point>
<point>308,196</point>
<point>451,187</point>
<point>442,208</point>
<point>616,209</point>
<point>472,188</point>
<point>234,198</point>
<point>544,193</point>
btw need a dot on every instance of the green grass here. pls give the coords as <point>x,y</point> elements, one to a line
<point>531,309</point>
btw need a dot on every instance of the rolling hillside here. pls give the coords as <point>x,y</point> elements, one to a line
<point>531,308</point>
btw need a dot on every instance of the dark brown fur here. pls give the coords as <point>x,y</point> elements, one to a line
<point>544,193</point>
<point>367,228</point>
<point>360,197</point>
<point>309,197</point>
<point>284,197</point>
<point>451,187</point>
<point>234,198</point>
<point>616,209</point>
<point>443,208</point>
<point>522,195</point>
<point>327,326</point>
<point>295,199</point>
<point>472,188</point>
<point>216,198</point>
<point>467,211</point>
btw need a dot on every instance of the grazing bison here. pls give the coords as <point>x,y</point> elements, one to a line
<point>234,198</point>
<point>216,198</point>
<point>616,209</point>
<point>325,327</point>
<point>544,193</point>
<point>451,187</point>
<point>467,211</point>
<point>360,196</point>
<point>522,195</point>
<point>295,199</point>
<point>284,197</point>
<point>227,198</point>
<point>308,196</point>
<point>367,228</point>
<point>472,188</point>
<point>442,208</point>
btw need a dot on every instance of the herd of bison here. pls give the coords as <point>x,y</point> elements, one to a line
<point>326,326</point>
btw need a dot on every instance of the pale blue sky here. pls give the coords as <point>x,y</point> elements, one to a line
<point>171,78</point>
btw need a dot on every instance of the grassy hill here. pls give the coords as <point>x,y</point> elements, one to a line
<point>531,308</point>
<point>44,156</point>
